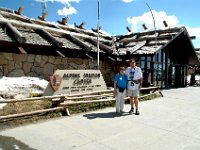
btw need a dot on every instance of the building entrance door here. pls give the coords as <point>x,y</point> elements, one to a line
<point>177,75</point>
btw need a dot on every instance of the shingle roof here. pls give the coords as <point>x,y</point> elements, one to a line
<point>24,30</point>
<point>147,42</point>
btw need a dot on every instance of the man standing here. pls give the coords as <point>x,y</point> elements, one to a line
<point>134,74</point>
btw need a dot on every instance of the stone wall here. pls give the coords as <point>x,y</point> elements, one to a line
<point>16,65</point>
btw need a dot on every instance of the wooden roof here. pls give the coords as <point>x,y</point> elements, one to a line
<point>31,34</point>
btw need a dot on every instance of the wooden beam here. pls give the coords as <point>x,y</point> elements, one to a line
<point>101,46</point>
<point>59,53</point>
<point>49,37</point>
<point>53,97</point>
<point>67,103</point>
<point>78,42</point>
<point>127,40</point>
<point>192,37</point>
<point>31,113</point>
<point>22,50</point>
<point>167,31</point>
<point>161,31</point>
<point>79,30</point>
<point>18,36</point>
<point>111,58</point>
<point>89,56</point>
<point>43,98</point>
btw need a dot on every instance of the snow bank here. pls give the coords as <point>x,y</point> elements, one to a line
<point>3,104</point>
<point>21,86</point>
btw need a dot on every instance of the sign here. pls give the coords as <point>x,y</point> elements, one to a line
<point>75,81</point>
<point>55,81</point>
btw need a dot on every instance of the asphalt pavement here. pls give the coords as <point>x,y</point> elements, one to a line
<point>171,122</point>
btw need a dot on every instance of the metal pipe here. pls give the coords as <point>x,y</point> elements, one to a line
<point>98,34</point>
<point>154,23</point>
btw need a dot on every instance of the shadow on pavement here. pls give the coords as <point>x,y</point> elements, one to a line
<point>10,143</point>
<point>104,115</point>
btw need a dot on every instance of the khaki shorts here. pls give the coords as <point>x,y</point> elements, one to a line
<point>133,92</point>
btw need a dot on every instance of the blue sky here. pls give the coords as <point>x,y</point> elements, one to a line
<point>116,15</point>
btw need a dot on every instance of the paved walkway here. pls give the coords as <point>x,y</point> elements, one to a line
<point>168,123</point>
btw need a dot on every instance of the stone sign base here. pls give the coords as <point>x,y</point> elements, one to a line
<point>75,81</point>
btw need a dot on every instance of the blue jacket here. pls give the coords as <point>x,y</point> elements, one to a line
<point>121,80</point>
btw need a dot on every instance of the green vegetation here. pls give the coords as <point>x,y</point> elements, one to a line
<point>22,107</point>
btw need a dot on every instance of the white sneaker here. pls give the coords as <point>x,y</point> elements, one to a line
<point>122,111</point>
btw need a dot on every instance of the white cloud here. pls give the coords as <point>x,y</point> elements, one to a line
<point>64,2</point>
<point>147,19</point>
<point>67,11</point>
<point>194,32</point>
<point>127,1</point>
<point>159,17</point>
<point>60,1</point>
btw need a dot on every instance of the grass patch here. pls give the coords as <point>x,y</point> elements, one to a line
<point>22,107</point>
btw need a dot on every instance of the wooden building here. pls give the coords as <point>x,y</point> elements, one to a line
<point>165,55</point>
<point>36,47</point>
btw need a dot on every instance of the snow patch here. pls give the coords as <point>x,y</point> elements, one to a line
<point>15,87</point>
